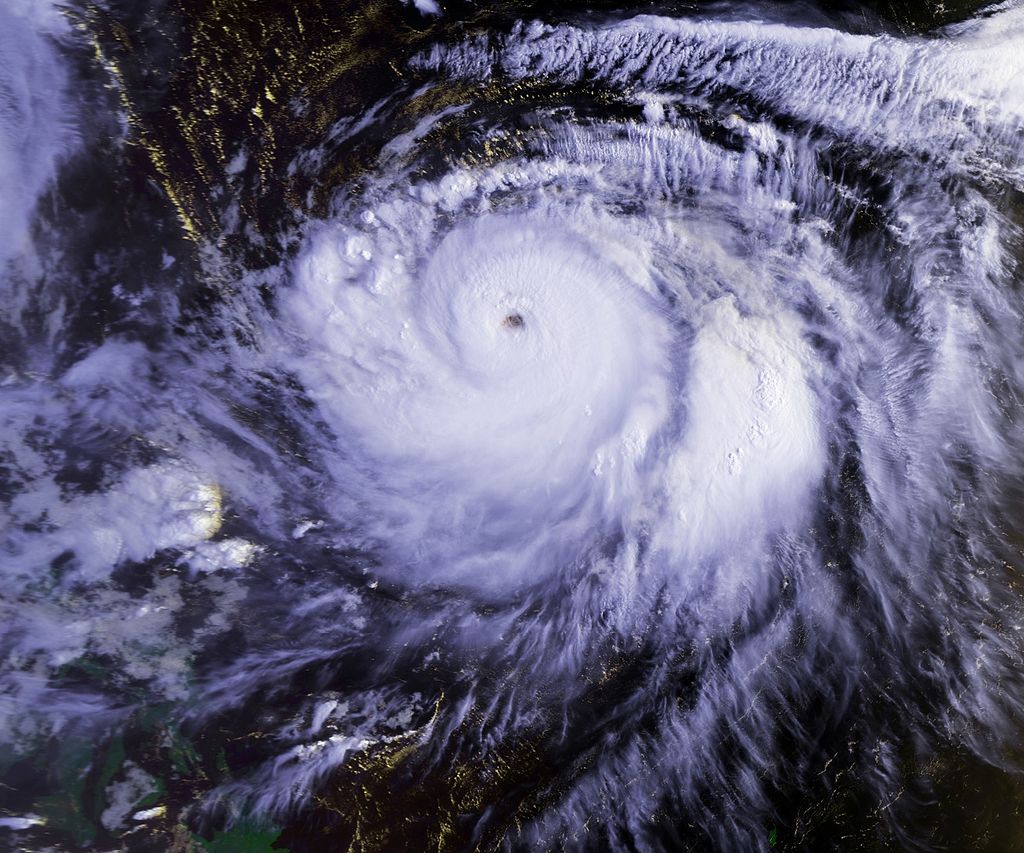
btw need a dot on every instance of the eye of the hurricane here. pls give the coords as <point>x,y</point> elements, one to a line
<point>514,320</point>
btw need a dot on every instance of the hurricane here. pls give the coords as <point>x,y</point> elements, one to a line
<point>478,427</point>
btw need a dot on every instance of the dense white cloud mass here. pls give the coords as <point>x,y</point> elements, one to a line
<point>34,126</point>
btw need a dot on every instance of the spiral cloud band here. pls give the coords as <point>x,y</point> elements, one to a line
<point>625,455</point>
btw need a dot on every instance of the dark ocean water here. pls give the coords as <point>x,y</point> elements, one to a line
<point>490,426</point>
